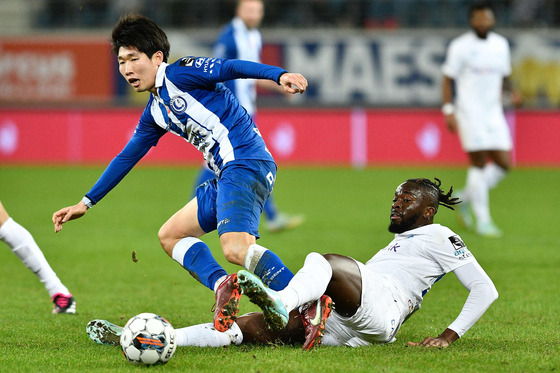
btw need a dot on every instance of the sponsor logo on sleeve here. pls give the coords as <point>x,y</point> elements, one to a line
<point>199,62</point>
<point>187,61</point>
<point>461,251</point>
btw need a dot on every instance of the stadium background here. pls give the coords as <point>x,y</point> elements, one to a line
<point>373,69</point>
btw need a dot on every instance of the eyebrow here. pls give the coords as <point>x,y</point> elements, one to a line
<point>128,55</point>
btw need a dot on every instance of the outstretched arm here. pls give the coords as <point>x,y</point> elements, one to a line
<point>240,69</point>
<point>113,174</point>
<point>482,293</point>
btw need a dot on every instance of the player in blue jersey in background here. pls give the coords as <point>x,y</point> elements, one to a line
<point>241,39</point>
<point>188,99</point>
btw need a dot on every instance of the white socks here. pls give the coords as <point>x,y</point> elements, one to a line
<point>479,183</point>
<point>253,256</point>
<point>22,244</point>
<point>477,191</point>
<point>493,174</point>
<point>308,284</point>
<point>205,335</point>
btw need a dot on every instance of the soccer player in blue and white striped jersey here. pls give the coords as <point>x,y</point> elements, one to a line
<point>188,99</point>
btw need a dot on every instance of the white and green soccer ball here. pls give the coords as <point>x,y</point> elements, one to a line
<point>148,339</point>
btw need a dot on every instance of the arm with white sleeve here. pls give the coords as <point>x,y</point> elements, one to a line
<point>482,293</point>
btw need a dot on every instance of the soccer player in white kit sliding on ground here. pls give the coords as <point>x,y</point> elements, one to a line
<point>372,300</point>
<point>478,66</point>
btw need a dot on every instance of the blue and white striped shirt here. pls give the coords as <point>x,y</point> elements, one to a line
<point>236,41</point>
<point>191,102</point>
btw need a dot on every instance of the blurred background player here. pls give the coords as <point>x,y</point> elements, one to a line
<point>478,67</point>
<point>241,39</point>
<point>22,244</point>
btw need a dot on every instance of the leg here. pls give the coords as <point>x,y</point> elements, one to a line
<point>495,171</point>
<point>241,193</point>
<point>345,286</point>
<point>23,245</point>
<point>256,331</point>
<point>179,239</point>
<point>248,329</point>
<point>184,223</point>
<point>477,193</point>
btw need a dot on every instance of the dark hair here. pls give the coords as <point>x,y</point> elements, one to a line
<point>479,5</point>
<point>433,191</point>
<point>135,30</point>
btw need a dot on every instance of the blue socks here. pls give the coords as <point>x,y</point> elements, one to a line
<point>270,210</point>
<point>195,256</point>
<point>268,266</point>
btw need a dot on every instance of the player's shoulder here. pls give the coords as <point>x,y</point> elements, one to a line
<point>498,38</point>
<point>188,63</point>
<point>465,37</point>
<point>438,232</point>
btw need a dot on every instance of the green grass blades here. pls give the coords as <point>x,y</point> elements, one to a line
<point>347,212</point>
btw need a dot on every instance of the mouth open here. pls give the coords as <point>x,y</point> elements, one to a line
<point>134,82</point>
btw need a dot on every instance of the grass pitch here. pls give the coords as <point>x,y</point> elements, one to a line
<point>347,212</point>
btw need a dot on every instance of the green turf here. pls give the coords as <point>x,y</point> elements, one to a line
<point>347,212</point>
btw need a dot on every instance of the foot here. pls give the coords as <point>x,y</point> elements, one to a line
<point>464,213</point>
<point>314,317</point>
<point>489,230</point>
<point>104,332</point>
<point>283,222</point>
<point>227,303</point>
<point>275,314</point>
<point>63,303</point>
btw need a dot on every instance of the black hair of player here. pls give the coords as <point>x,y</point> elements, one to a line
<point>140,32</point>
<point>479,5</point>
<point>437,196</point>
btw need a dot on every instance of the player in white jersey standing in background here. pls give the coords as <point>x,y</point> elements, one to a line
<point>477,70</point>
<point>189,100</point>
<point>241,39</point>
<point>371,300</point>
<point>23,245</point>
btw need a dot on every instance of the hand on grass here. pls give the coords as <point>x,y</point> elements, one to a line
<point>444,340</point>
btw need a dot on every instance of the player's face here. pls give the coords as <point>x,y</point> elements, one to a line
<point>407,210</point>
<point>482,22</point>
<point>138,69</point>
<point>251,12</point>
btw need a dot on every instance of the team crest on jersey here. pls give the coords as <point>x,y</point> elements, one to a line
<point>187,61</point>
<point>178,104</point>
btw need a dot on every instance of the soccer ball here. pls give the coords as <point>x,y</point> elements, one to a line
<point>148,339</point>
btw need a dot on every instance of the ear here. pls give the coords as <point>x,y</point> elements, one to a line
<point>158,57</point>
<point>429,212</point>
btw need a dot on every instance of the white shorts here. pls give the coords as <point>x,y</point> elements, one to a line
<point>377,320</point>
<point>478,135</point>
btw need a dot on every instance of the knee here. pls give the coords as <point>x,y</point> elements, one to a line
<point>234,248</point>
<point>234,253</point>
<point>166,240</point>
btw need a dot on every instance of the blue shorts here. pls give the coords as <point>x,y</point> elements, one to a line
<point>234,202</point>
